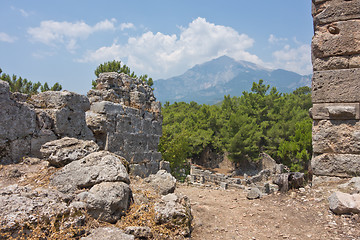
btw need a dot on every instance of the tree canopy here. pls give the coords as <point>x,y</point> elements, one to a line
<point>22,85</point>
<point>258,121</point>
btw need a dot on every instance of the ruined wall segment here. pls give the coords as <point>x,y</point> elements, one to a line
<point>126,119</point>
<point>336,88</point>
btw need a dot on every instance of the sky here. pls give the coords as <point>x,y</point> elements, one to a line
<point>65,40</point>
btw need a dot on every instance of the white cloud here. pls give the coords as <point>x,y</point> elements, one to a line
<point>7,38</point>
<point>297,59</point>
<point>161,55</point>
<point>124,26</point>
<point>21,11</point>
<point>53,32</point>
<point>273,39</point>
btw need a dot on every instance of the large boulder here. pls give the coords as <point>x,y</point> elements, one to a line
<point>174,210</point>
<point>162,182</point>
<point>107,201</point>
<point>93,169</point>
<point>63,151</point>
<point>344,203</point>
<point>108,233</point>
<point>26,205</point>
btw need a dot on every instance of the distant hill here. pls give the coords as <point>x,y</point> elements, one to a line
<point>210,81</point>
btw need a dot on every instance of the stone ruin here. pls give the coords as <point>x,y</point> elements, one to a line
<point>121,116</point>
<point>336,88</point>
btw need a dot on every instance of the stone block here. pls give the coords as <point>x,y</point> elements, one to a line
<point>4,90</point>
<point>156,156</point>
<point>152,142</point>
<point>336,136</point>
<point>115,142</point>
<point>156,128</point>
<point>18,120</point>
<point>70,123</point>
<point>343,111</point>
<point>124,124</point>
<point>335,10</point>
<point>337,39</point>
<point>135,143</point>
<point>337,165</point>
<point>59,100</point>
<point>336,86</point>
<point>44,136</point>
<point>106,107</point>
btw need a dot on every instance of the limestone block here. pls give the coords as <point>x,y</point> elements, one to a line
<point>70,123</point>
<point>124,124</point>
<point>108,233</point>
<point>336,136</point>
<point>4,90</point>
<point>107,201</point>
<point>59,100</point>
<point>337,86</point>
<point>106,107</point>
<point>20,148</point>
<point>335,10</point>
<point>93,169</point>
<point>336,39</point>
<point>153,142</point>
<point>135,143</point>
<point>337,165</point>
<point>144,169</point>
<point>18,120</point>
<point>344,111</point>
<point>344,203</point>
<point>63,151</point>
<point>157,127</point>
<point>162,182</point>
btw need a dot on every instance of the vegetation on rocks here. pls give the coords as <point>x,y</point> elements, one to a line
<point>115,66</point>
<point>22,85</point>
<point>262,120</point>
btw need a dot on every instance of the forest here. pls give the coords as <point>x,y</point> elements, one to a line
<point>262,120</point>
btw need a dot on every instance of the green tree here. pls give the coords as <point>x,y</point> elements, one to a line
<point>115,66</point>
<point>22,85</point>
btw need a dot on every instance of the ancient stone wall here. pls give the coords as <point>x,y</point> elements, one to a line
<point>126,120</point>
<point>336,88</point>
<point>121,115</point>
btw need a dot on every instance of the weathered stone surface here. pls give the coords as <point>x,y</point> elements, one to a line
<point>4,90</point>
<point>254,193</point>
<point>60,99</point>
<point>337,39</point>
<point>344,203</point>
<point>335,10</point>
<point>336,136</point>
<point>121,88</point>
<point>291,180</point>
<point>107,201</point>
<point>144,169</point>
<point>162,182</point>
<point>336,62</point>
<point>343,111</point>
<point>352,186</point>
<point>24,204</point>
<point>63,151</point>
<point>108,233</point>
<point>18,125</point>
<point>336,86</point>
<point>93,169</point>
<point>175,210</point>
<point>139,232</point>
<point>339,165</point>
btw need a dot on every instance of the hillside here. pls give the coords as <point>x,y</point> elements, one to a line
<point>209,82</point>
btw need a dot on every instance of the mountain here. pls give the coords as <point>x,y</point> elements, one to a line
<point>210,81</point>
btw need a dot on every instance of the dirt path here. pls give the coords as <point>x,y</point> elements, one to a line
<point>227,214</point>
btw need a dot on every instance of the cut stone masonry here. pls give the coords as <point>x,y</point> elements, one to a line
<point>336,87</point>
<point>121,116</point>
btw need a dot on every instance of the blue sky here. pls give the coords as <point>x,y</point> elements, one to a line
<point>64,41</point>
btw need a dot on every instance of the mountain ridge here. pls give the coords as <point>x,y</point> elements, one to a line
<point>210,81</point>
